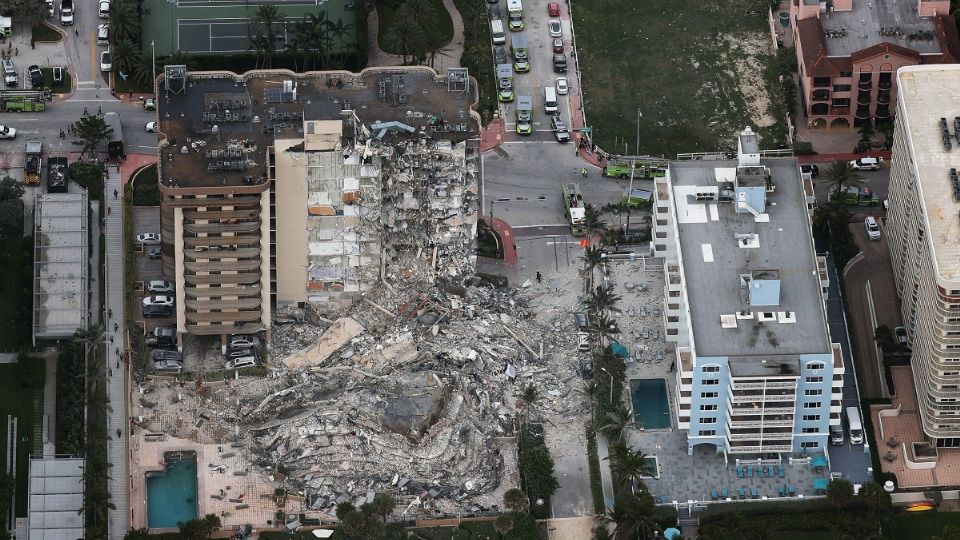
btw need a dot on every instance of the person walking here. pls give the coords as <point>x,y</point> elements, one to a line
<point>115,326</point>
<point>115,193</point>
<point>108,208</point>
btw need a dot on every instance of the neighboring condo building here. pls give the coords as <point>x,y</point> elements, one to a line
<point>280,189</point>
<point>848,52</point>
<point>757,372</point>
<point>923,231</point>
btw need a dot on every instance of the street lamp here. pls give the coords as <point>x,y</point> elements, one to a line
<point>611,382</point>
<point>153,57</point>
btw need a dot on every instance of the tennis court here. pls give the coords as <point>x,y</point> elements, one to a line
<point>222,35</point>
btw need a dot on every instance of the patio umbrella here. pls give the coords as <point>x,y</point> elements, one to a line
<point>819,461</point>
<point>671,533</point>
<point>820,484</point>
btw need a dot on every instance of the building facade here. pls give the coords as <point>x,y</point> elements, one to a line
<point>923,232</point>
<point>848,53</point>
<point>281,189</point>
<point>757,372</point>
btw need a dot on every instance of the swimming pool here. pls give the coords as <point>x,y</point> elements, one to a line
<point>172,495</point>
<point>651,408</point>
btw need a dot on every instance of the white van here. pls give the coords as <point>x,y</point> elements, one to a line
<point>854,427</point>
<point>549,99</point>
<point>496,30</point>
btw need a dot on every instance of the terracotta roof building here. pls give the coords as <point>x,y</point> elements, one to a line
<point>849,50</point>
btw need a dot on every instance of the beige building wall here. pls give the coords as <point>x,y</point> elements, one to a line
<point>266,314</point>
<point>290,187</point>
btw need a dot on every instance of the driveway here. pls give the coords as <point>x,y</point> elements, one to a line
<point>868,283</point>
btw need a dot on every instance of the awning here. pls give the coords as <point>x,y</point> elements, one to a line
<point>820,484</point>
<point>671,533</point>
<point>819,461</point>
<point>619,350</point>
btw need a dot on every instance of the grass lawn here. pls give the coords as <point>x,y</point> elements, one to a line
<point>385,15</point>
<point>63,88</point>
<point>16,288</point>
<point>925,524</point>
<point>145,189</point>
<point>469,530</point>
<point>17,401</point>
<point>696,71</point>
<point>43,32</point>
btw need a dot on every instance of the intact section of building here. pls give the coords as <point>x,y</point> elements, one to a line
<point>757,371</point>
<point>60,268</point>
<point>848,52</point>
<point>281,189</point>
<point>923,232</point>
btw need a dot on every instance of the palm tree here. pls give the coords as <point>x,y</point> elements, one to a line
<point>618,420</point>
<point>405,38</point>
<point>419,12</point>
<point>516,500</point>
<point>592,222</point>
<point>633,517</point>
<point>320,40</point>
<point>124,22</point>
<point>503,524</point>
<point>96,503</point>
<point>602,300</point>
<point>948,532</point>
<point>262,32</point>
<point>340,29</point>
<point>530,394</point>
<point>618,209</point>
<point>126,55</point>
<point>433,43</point>
<point>592,257</point>
<point>876,499</point>
<point>630,463</point>
<point>840,175</point>
<point>604,327</point>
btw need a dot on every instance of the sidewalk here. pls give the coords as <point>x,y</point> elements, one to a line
<point>826,158</point>
<point>117,452</point>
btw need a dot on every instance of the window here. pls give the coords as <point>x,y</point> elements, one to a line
<point>815,366</point>
<point>708,420</point>
<point>709,395</point>
<point>812,405</point>
<point>813,392</point>
<point>710,369</point>
<point>811,417</point>
<point>841,88</point>
<point>810,430</point>
<point>710,382</point>
<point>707,432</point>
<point>708,407</point>
<point>814,379</point>
<point>810,444</point>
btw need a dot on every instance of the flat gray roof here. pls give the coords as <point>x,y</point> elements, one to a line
<point>56,493</point>
<point>718,246</point>
<point>61,259</point>
<point>863,24</point>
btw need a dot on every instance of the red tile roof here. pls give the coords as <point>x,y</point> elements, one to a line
<point>885,48</point>
<point>945,27</point>
<point>815,60</point>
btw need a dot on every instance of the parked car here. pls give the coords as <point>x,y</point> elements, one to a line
<point>148,238</point>
<point>150,104</point>
<point>103,34</point>
<point>242,341</point>
<point>558,45</point>
<point>151,127</point>
<point>585,367</point>
<point>154,253</point>
<point>866,164</point>
<point>168,366</point>
<point>873,229</point>
<point>562,86</point>
<point>900,333</point>
<point>162,336</point>
<point>559,129</point>
<point>240,353</point>
<point>555,28</point>
<point>104,9</point>
<point>10,75</point>
<point>153,311</point>
<point>105,62</point>
<point>160,286</point>
<point>8,132</point>
<point>499,55</point>
<point>242,362</point>
<point>158,300</point>
<point>165,354</point>
<point>559,63</point>
<point>36,76</point>
<point>553,9</point>
<point>580,319</point>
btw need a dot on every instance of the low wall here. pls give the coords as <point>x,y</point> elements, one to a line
<point>916,465</point>
<point>884,413</point>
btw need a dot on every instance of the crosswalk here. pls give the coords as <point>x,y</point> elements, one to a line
<point>117,380</point>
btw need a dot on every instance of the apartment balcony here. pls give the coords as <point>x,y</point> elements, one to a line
<point>763,398</point>
<point>753,410</point>
<point>883,97</point>
<point>883,112</point>
<point>820,94</point>
<point>212,241</point>
<point>242,291</point>
<point>864,97</point>
<point>203,254</point>
<point>734,424</point>
<point>754,449</point>
<point>840,111</point>
<point>862,113</point>
<point>757,385</point>
<point>865,84</point>
<point>885,85</point>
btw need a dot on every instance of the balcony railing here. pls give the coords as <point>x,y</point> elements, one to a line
<point>840,111</point>
<point>734,424</point>
<point>865,84</point>
<point>884,85</point>
<point>758,410</point>
<point>757,449</point>
<point>759,385</point>
<point>763,398</point>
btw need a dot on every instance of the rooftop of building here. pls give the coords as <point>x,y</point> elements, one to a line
<point>927,94</point>
<point>61,261</point>
<point>872,22</point>
<point>726,255</point>
<point>220,126</point>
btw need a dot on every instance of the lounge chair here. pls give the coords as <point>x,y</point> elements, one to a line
<point>782,490</point>
<point>760,471</point>
<point>781,471</point>
<point>725,493</point>
<point>742,492</point>
<point>791,490</point>
<point>754,493</point>
<point>714,495</point>
<point>739,472</point>
<point>750,472</point>
<point>770,470</point>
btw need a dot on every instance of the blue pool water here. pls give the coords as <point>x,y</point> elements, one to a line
<point>651,408</point>
<point>172,496</point>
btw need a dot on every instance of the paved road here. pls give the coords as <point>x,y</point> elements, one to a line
<point>877,181</point>
<point>850,460</point>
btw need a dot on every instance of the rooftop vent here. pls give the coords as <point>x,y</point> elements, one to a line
<point>728,320</point>
<point>745,241</point>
